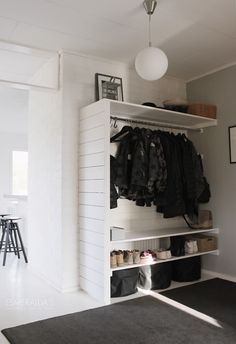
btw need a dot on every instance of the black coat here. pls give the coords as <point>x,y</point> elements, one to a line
<point>160,168</point>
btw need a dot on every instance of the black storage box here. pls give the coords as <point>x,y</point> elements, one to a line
<point>124,282</point>
<point>155,277</point>
<point>177,245</point>
<point>186,270</point>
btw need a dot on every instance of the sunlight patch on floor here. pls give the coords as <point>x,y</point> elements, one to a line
<point>183,308</point>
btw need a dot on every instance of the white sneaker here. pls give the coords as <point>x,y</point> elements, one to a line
<point>195,247</point>
<point>163,254</point>
<point>189,247</point>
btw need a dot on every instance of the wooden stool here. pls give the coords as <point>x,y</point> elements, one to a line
<point>11,245</point>
<point>2,224</point>
<point>12,233</point>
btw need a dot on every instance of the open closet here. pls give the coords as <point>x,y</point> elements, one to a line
<point>144,227</point>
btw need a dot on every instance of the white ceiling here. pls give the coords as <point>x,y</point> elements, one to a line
<point>197,35</point>
<point>13,110</point>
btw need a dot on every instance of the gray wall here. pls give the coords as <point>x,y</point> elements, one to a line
<point>219,89</point>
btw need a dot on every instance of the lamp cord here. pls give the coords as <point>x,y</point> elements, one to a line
<point>149,32</point>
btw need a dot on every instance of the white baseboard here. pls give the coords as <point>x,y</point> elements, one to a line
<point>219,275</point>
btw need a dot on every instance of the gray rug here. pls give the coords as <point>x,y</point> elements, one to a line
<point>142,320</point>
<point>215,297</point>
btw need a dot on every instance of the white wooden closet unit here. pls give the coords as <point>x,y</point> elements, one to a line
<point>144,226</point>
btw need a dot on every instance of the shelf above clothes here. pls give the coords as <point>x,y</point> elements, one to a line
<point>159,116</point>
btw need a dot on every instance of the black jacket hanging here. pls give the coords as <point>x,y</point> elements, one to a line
<point>156,167</point>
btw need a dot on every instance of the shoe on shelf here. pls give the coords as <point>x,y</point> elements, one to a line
<point>113,260</point>
<point>154,256</point>
<point>191,246</point>
<point>188,247</point>
<point>128,257</point>
<point>162,253</point>
<point>195,247</point>
<point>120,258</point>
<point>136,256</point>
<point>148,256</point>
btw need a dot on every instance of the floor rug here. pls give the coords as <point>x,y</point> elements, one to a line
<point>141,320</point>
<point>215,297</point>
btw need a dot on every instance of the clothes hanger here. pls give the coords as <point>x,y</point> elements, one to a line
<point>123,133</point>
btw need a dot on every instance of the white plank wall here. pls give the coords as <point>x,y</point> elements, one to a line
<point>92,202</point>
<point>137,245</point>
<point>134,218</point>
<point>92,160</point>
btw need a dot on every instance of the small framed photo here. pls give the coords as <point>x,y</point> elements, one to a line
<point>108,86</point>
<point>232,144</point>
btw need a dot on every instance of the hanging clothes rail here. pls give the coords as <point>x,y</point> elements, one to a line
<point>149,123</point>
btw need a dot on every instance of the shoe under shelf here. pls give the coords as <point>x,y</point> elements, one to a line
<point>160,233</point>
<point>159,261</point>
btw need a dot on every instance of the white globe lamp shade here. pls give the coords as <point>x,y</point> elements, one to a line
<point>151,63</point>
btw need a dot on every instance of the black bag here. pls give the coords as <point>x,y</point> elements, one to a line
<point>156,276</point>
<point>177,244</point>
<point>124,282</point>
<point>186,270</point>
<point>206,193</point>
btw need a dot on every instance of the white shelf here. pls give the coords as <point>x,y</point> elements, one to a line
<point>160,116</point>
<point>159,261</point>
<point>160,233</point>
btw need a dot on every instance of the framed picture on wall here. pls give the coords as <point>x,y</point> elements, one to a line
<point>108,86</point>
<point>232,144</point>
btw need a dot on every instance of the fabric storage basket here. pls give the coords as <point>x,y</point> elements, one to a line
<point>124,282</point>
<point>205,242</point>
<point>177,246</point>
<point>205,110</point>
<point>186,270</point>
<point>155,277</point>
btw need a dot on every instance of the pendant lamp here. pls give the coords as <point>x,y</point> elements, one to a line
<point>151,63</point>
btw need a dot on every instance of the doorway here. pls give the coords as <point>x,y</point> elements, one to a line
<point>22,69</point>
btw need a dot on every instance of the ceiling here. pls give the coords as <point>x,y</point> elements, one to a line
<point>197,36</point>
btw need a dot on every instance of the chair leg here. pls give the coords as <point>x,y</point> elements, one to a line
<point>6,245</point>
<point>16,242</point>
<point>11,243</point>
<point>21,242</point>
<point>2,238</point>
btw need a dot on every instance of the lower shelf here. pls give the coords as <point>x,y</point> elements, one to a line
<point>216,252</point>
<point>155,293</point>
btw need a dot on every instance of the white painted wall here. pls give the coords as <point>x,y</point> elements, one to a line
<point>54,163</point>
<point>219,89</point>
<point>45,164</point>
<point>48,74</point>
<point>79,71</point>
